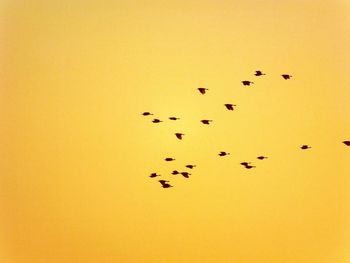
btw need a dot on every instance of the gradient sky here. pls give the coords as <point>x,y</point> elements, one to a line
<point>75,152</point>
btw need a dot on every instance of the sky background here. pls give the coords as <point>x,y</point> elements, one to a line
<point>75,152</point>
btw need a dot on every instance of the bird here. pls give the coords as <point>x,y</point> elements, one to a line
<point>174,118</point>
<point>247,165</point>
<point>206,121</point>
<point>165,184</point>
<point>347,143</point>
<point>146,113</point>
<point>247,82</point>
<point>175,172</point>
<point>156,121</point>
<point>261,157</point>
<point>185,174</point>
<point>259,73</point>
<point>202,90</point>
<point>223,153</point>
<point>230,106</point>
<point>191,166</point>
<point>154,175</point>
<point>304,147</point>
<point>286,76</point>
<point>169,159</point>
<point>179,135</point>
<point>163,181</point>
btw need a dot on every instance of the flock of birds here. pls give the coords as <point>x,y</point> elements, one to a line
<point>230,107</point>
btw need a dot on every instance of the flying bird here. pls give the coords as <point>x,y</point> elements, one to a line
<point>179,135</point>
<point>261,157</point>
<point>247,165</point>
<point>169,159</point>
<point>174,118</point>
<point>304,147</point>
<point>185,174</point>
<point>230,106</point>
<point>247,82</point>
<point>286,76</point>
<point>259,73</point>
<point>146,113</point>
<point>164,183</point>
<point>191,166</point>
<point>347,143</point>
<point>154,175</point>
<point>223,153</point>
<point>175,172</point>
<point>206,121</point>
<point>156,121</point>
<point>202,90</point>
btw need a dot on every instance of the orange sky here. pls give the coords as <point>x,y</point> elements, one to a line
<point>75,152</point>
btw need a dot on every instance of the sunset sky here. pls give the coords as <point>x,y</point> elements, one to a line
<point>76,153</point>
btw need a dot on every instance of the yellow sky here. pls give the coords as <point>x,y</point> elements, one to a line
<point>76,152</point>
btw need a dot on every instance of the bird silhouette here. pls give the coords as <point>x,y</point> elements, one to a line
<point>206,121</point>
<point>185,174</point>
<point>169,159</point>
<point>191,166</point>
<point>304,147</point>
<point>247,82</point>
<point>259,73</point>
<point>223,153</point>
<point>286,76</point>
<point>230,106</point>
<point>249,166</point>
<point>244,163</point>
<point>202,90</point>
<point>164,183</point>
<point>175,172</point>
<point>179,135</point>
<point>156,121</point>
<point>154,175</point>
<point>174,118</point>
<point>347,143</point>
<point>146,113</point>
<point>261,157</point>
